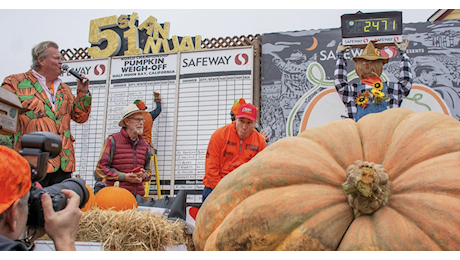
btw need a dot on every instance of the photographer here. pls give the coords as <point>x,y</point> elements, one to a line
<point>15,183</point>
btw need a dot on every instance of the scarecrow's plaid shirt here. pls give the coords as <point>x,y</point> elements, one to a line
<point>395,91</point>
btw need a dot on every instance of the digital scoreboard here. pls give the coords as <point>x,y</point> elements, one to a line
<point>383,28</point>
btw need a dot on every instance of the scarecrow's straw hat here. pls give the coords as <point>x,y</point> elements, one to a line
<point>370,53</point>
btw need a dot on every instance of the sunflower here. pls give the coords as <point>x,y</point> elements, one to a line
<point>378,96</point>
<point>377,86</point>
<point>362,100</point>
<point>377,93</point>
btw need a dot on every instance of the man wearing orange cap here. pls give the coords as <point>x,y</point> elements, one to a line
<point>231,146</point>
<point>15,183</point>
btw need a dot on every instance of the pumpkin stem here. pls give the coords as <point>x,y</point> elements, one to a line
<point>367,187</point>
<point>116,184</point>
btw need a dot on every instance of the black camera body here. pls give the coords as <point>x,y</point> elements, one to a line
<point>36,218</point>
<point>58,199</point>
<point>38,147</point>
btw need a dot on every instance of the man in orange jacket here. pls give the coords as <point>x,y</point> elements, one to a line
<point>231,146</point>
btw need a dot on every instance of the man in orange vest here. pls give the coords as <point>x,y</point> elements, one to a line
<point>231,146</point>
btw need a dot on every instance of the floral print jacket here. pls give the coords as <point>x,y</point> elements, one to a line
<point>38,115</point>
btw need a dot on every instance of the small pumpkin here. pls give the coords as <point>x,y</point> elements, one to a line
<point>390,181</point>
<point>116,198</point>
<point>90,203</point>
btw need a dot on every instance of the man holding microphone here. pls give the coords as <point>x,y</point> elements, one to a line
<point>49,105</point>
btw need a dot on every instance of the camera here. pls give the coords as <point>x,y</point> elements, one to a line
<point>38,147</point>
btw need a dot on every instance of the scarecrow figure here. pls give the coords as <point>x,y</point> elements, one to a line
<point>371,95</point>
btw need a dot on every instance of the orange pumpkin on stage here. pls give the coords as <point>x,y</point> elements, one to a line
<point>90,203</point>
<point>116,198</point>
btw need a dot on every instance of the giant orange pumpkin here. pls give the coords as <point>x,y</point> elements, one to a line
<point>400,170</point>
<point>116,198</point>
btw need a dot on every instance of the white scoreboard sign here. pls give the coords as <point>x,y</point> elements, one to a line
<point>197,91</point>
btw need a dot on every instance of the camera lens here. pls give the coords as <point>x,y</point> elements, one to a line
<point>75,184</point>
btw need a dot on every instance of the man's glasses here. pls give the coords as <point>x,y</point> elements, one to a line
<point>138,120</point>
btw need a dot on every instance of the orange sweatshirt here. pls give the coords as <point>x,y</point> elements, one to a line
<point>226,151</point>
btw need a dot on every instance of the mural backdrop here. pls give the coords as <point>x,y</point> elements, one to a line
<point>298,75</point>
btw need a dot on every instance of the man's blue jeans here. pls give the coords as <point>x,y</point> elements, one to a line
<point>206,192</point>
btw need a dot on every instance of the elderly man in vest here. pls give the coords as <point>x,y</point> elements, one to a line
<point>125,155</point>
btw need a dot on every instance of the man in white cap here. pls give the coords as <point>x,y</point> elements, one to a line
<point>125,155</point>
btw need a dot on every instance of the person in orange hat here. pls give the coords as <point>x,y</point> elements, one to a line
<point>235,107</point>
<point>231,146</point>
<point>149,118</point>
<point>15,183</point>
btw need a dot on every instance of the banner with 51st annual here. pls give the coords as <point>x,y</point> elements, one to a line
<point>123,36</point>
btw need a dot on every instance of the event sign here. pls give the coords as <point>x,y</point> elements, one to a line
<point>137,77</point>
<point>197,90</point>
<point>123,36</point>
<point>210,81</point>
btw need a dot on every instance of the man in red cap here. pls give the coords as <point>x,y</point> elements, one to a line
<point>231,146</point>
<point>15,183</point>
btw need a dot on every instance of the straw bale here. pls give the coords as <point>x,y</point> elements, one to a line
<point>130,230</point>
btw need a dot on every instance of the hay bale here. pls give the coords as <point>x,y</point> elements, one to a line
<point>131,230</point>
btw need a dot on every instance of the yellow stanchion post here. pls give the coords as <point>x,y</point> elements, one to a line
<point>157,176</point>
<point>153,159</point>
<point>147,184</point>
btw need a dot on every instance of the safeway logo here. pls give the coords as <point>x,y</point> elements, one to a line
<point>389,51</point>
<point>241,59</point>
<point>99,69</point>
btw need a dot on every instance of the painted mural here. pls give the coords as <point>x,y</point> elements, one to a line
<point>298,75</point>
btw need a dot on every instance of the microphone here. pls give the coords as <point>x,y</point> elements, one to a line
<point>66,68</point>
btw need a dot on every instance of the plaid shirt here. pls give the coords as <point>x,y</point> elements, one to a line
<point>396,91</point>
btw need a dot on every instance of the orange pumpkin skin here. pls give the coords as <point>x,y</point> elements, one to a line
<point>289,196</point>
<point>115,198</point>
<point>90,203</point>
